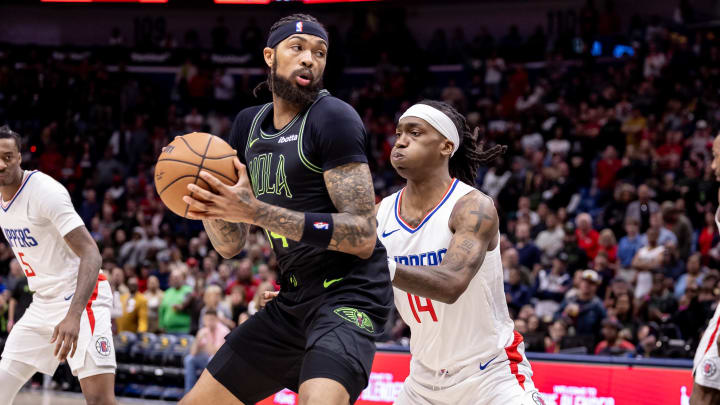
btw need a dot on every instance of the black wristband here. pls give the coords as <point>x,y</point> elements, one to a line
<point>318,229</point>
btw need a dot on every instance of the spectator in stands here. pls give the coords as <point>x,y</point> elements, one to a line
<point>556,333</point>
<point>708,236</point>
<point>245,278</point>
<point>612,344</point>
<point>695,272</point>
<point>528,254</point>
<point>630,243</point>
<point>550,240</point>
<point>641,209</point>
<point>154,297</point>
<point>678,224</point>
<point>647,259</point>
<point>585,311</point>
<point>577,258</point>
<point>213,302</point>
<point>607,244</point>
<point>551,286</point>
<point>587,237</point>
<point>171,317</point>
<point>517,293</point>
<point>659,304</point>
<point>623,310</point>
<point>134,316</point>
<point>207,342</point>
<point>20,299</point>
<point>236,301</point>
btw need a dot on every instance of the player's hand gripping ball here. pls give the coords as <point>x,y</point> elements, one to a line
<point>181,162</point>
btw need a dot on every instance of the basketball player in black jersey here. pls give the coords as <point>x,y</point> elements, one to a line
<point>303,178</point>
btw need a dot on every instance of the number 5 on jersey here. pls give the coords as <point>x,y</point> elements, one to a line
<point>428,307</point>
<point>29,272</point>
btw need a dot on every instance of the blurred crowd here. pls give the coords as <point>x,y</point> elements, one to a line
<point>605,195</point>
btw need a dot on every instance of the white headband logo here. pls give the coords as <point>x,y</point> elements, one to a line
<point>438,120</point>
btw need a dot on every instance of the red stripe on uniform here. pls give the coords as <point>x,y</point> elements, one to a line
<point>88,308</point>
<point>712,337</point>
<point>515,358</point>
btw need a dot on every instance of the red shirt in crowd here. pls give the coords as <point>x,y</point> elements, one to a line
<point>589,243</point>
<point>607,173</point>
<point>705,240</point>
<point>611,252</point>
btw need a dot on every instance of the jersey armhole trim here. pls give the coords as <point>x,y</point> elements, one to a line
<point>259,114</point>
<point>305,161</point>
<point>17,193</point>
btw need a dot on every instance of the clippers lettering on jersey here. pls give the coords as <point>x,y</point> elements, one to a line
<point>422,259</point>
<point>261,166</point>
<point>19,238</point>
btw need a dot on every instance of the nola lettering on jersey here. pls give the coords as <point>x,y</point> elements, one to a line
<point>422,259</point>
<point>19,237</point>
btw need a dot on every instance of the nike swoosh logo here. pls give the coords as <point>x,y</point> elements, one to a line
<point>386,234</point>
<point>327,284</point>
<point>484,366</point>
<point>69,296</point>
<point>252,142</point>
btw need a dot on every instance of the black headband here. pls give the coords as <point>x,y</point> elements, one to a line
<point>298,27</point>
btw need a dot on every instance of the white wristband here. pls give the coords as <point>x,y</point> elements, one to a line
<point>392,266</point>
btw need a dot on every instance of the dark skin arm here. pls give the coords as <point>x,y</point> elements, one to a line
<point>474,223</point>
<point>227,238</point>
<point>350,188</point>
<point>67,331</point>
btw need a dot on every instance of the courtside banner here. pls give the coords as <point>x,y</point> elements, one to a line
<point>560,383</point>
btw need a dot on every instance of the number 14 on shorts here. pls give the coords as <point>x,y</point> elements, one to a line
<point>415,302</point>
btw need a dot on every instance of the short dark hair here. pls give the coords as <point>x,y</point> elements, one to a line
<point>294,18</point>
<point>471,154</point>
<point>6,132</point>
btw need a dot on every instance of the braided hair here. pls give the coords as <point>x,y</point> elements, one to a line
<point>266,84</point>
<point>464,164</point>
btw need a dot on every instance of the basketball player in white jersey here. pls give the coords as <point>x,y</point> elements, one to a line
<point>69,317</point>
<point>442,233</point>
<point>706,365</point>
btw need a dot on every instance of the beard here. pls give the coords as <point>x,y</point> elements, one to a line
<point>290,91</point>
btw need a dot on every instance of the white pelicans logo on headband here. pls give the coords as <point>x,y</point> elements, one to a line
<point>298,26</point>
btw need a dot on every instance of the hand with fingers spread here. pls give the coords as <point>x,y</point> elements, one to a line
<point>234,203</point>
<point>66,335</point>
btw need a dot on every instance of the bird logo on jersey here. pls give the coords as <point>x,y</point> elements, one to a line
<point>102,345</point>
<point>359,318</point>
<point>708,368</point>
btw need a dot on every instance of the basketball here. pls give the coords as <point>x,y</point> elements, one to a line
<point>180,164</point>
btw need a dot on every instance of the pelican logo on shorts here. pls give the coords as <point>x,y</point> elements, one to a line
<point>709,368</point>
<point>356,317</point>
<point>102,345</point>
<point>537,398</point>
<point>298,26</point>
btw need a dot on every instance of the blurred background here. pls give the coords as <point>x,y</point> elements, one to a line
<point>606,196</point>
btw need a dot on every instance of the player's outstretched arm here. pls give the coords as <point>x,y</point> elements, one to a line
<point>351,190</point>
<point>66,332</point>
<point>474,223</point>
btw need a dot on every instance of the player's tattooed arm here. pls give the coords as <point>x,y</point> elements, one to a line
<point>227,238</point>
<point>474,223</point>
<point>66,332</point>
<point>351,190</point>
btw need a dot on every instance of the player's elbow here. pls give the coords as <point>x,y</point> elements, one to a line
<point>227,252</point>
<point>453,290</point>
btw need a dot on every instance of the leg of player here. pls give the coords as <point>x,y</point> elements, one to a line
<point>704,395</point>
<point>323,391</point>
<point>208,387</point>
<point>99,389</point>
<point>13,375</point>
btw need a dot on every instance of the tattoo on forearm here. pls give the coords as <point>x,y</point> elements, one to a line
<point>224,234</point>
<point>283,221</point>
<point>351,190</point>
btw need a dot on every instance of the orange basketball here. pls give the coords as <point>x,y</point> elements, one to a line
<point>180,163</point>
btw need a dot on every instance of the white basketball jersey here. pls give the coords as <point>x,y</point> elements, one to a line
<point>478,325</point>
<point>34,222</point>
<point>708,343</point>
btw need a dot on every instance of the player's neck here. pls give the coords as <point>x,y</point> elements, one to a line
<point>424,193</point>
<point>8,192</point>
<point>283,112</point>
